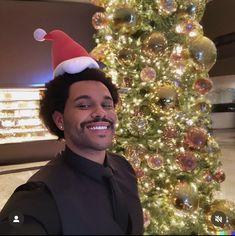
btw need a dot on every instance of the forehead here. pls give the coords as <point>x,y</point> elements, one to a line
<point>89,87</point>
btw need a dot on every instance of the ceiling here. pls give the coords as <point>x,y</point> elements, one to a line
<point>219,25</point>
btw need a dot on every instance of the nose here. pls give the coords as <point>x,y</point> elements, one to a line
<point>98,111</point>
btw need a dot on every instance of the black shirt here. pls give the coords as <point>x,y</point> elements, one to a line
<point>36,202</point>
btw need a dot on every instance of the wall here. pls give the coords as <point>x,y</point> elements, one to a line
<point>25,61</point>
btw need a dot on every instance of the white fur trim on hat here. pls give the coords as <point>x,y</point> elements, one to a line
<point>75,65</point>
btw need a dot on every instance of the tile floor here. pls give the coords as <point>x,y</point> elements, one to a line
<point>226,139</point>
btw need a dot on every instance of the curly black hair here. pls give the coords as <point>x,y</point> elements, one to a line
<point>56,94</point>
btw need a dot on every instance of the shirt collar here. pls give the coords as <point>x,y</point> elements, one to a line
<point>90,168</point>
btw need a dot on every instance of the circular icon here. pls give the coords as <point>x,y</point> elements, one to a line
<point>16,218</point>
<point>219,219</point>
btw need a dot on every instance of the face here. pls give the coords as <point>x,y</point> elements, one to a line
<point>89,117</point>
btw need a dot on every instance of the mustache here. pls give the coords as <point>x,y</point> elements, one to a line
<point>98,119</point>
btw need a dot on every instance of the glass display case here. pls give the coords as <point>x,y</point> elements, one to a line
<point>223,103</point>
<point>19,116</point>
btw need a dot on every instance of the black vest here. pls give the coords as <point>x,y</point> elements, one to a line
<point>83,206</point>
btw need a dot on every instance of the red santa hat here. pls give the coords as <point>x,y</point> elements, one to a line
<point>67,55</point>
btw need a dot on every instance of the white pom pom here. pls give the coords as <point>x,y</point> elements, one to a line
<point>39,34</point>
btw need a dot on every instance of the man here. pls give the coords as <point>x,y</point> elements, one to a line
<point>85,190</point>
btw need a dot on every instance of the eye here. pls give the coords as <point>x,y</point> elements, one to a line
<point>83,106</point>
<point>108,106</point>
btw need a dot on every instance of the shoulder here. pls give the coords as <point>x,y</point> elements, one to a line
<point>26,198</point>
<point>33,200</point>
<point>52,168</point>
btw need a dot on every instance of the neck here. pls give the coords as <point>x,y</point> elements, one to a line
<point>92,155</point>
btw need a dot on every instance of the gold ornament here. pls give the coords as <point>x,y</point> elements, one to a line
<point>167,97</point>
<point>134,154</point>
<point>138,125</point>
<point>194,8</point>
<point>148,74</point>
<point>125,20</point>
<point>203,52</point>
<point>203,86</point>
<point>227,208</point>
<point>167,7</point>
<point>186,161</point>
<point>196,138</point>
<point>155,162</point>
<point>99,52</point>
<point>99,20</point>
<point>154,44</point>
<point>185,196</point>
<point>202,106</point>
<point>126,56</point>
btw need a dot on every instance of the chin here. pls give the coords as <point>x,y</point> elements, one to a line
<point>101,146</point>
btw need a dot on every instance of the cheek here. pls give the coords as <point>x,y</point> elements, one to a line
<point>73,118</point>
<point>113,116</point>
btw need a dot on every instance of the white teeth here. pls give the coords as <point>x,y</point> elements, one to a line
<point>98,127</point>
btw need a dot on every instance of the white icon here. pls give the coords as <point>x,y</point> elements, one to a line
<point>16,219</point>
<point>219,219</point>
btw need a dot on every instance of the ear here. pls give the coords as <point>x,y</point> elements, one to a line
<point>58,119</point>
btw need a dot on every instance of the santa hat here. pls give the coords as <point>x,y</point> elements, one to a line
<point>67,55</point>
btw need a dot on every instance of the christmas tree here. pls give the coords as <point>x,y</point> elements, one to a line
<point>157,55</point>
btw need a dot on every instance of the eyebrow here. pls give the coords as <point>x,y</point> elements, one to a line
<point>82,97</point>
<point>89,98</point>
<point>108,98</point>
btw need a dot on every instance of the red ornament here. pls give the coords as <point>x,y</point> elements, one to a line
<point>139,172</point>
<point>187,161</point>
<point>170,132</point>
<point>196,138</point>
<point>148,74</point>
<point>219,176</point>
<point>203,86</point>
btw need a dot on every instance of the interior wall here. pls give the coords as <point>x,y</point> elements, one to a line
<point>26,62</point>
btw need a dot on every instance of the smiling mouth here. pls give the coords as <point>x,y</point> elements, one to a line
<point>99,127</point>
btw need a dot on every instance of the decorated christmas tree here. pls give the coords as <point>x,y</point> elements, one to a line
<point>158,56</point>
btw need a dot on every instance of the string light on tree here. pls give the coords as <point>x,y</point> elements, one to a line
<point>156,53</point>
